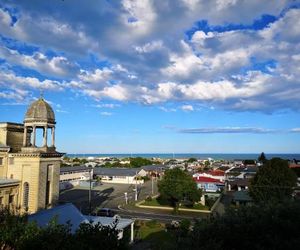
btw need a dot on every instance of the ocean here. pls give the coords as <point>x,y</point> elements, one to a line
<point>198,156</point>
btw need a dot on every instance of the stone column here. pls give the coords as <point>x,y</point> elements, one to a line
<point>53,136</point>
<point>45,136</point>
<point>33,142</point>
<point>25,137</point>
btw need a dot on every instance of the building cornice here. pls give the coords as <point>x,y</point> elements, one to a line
<point>38,154</point>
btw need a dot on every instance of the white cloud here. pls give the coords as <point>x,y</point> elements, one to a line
<point>149,56</point>
<point>47,32</point>
<point>149,47</point>
<point>295,130</point>
<point>140,15</point>
<point>116,92</point>
<point>55,66</point>
<point>107,105</point>
<point>12,81</point>
<point>187,108</point>
<point>98,76</point>
<point>227,130</point>
<point>106,113</point>
<point>165,109</point>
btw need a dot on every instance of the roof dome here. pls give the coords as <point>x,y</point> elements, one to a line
<point>40,111</point>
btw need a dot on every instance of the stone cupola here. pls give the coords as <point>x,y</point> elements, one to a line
<point>39,115</point>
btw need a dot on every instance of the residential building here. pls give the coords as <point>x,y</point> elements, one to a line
<point>120,175</point>
<point>72,176</point>
<point>208,184</point>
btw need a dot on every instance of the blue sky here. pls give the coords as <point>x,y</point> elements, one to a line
<point>141,76</point>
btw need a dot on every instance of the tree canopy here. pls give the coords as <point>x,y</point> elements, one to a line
<point>255,227</point>
<point>262,158</point>
<point>137,162</point>
<point>17,233</point>
<point>190,160</point>
<point>177,186</point>
<point>273,182</point>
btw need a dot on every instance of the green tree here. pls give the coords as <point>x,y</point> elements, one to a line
<point>273,182</point>
<point>137,162</point>
<point>177,186</point>
<point>249,162</point>
<point>191,160</point>
<point>255,227</point>
<point>17,233</point>
<point>66,158</point>
<point>76,159</point>
<point>83,161</point>
<point>262,158</point>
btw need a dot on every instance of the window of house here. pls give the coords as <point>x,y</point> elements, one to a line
<point>1,161</point>
<point>1,200</point>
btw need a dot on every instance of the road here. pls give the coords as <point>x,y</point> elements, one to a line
<point>106,195</point>
<point>159,216</point>
<point>112,196</point>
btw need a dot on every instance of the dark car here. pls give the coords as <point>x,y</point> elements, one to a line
<point>105,212</point>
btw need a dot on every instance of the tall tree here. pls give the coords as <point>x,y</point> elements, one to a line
<point>255,227</point>
<point>177,186</point>
<point>262,158</point>
<point>273,182</point>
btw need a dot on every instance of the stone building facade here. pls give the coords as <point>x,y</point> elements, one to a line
<point>29,173</point>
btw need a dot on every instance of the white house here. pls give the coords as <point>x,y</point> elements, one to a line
<point>121,175</point>
<point>71,176</point>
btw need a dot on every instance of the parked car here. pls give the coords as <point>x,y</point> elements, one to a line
<point>105,212</point>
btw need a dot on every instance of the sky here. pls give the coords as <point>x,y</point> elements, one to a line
<point>152,76</point>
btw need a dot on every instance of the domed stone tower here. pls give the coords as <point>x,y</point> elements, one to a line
<point>33,169</point>
<point>39,115</point>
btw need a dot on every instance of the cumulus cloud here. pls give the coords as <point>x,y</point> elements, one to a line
<point>97,76</point>
<point>12,81</point>
<point>153,52</point>
<point>47,32</point>
<point>55,66</point>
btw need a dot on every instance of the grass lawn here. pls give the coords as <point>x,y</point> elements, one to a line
<point>154,234</point>
<point>156,202</point>
<point>162,203</point>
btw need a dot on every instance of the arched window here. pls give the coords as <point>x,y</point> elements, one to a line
<point>25,195</point>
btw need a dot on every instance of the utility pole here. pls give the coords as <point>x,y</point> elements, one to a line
<point>135,186</point>
<point>152,184</point>
<point>126,198</point>
<point>90,193</point>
